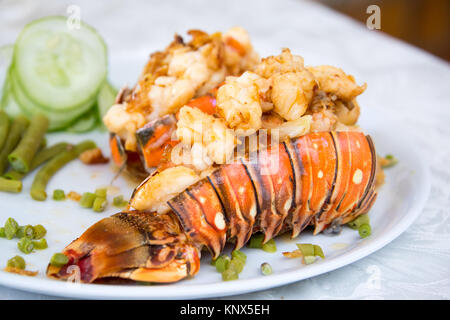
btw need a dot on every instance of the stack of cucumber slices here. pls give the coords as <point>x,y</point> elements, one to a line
<point>60,72</point>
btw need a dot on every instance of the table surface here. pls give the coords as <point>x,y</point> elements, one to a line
<point>406,84</point>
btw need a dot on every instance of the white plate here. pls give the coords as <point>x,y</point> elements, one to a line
<point>399,202</point>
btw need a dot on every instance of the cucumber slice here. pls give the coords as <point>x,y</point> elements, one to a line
<point>85,123</point>
<point>59,69</point>
<point>8,104</point>
<point>58,120</point>
<point>105,99</point>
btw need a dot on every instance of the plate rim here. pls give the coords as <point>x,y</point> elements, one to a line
<point>207,290</point>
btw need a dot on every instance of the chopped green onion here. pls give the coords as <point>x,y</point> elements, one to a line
<point>41,244</point>
<point>236,264</point>
<point>390,161</point>
<point>239,255</point>
<point>2,232</point>
<point>310,251</point>
<point>309,259</point>
<point>59,195</point>
<point>266,269</point>
<point>39,231</point>
<point>318,251</point>
<point>364,230</point>
<point>59,260</point>
<point>11,228</point>
<point>270,246</point>
<point>307,249</point>
<point>222,263</point>
<point>101,192</point>
<point>119,201</point>
<point>25,245</point>
<point>87,199</point>
<point>16,262</point>
<point>360,220</point>
<point>256,241</point>
<point>99,204</point>
<point>25,231</point>
<point>230,274</point>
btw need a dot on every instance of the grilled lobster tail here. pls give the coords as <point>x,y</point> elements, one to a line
<point>320,179</point>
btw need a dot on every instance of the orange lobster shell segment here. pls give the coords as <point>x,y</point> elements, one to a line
<point>201,215</point>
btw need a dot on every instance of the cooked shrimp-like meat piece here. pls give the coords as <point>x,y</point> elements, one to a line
<point>335,81</point>
<point>194,156</point>
<point>347,114</point>
<point>157,189</point>
<point>292,93</point>
<point>238,101</point>
<point>181,72</point>
<point>285,62</point>
<point>286,129</point>
<point>239,53</point>
<point>195,126</point>
<point>124,123</point>
<point>324,120</point>
<point>295,128</point>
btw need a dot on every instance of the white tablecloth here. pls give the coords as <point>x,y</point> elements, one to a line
<point>405,83</point>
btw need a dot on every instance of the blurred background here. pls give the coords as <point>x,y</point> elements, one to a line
<point>423,23</point>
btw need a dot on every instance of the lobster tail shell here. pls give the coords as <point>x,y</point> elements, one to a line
<point>321,179</point>
<point>153,138</point>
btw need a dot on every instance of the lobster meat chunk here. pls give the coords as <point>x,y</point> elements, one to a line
<point>321,179</point>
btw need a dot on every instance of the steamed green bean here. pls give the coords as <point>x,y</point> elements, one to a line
<point>4,127</point>
<point>41,157</point>
<point>19,124</point>
<point>10,185</point>
<point>44,174</point>
<point>20,159</point>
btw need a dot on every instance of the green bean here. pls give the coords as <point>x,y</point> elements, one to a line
<point>13,186</point>
<point>4,127</point>
<point>2,232</point>
<point>239,255</point>
<point>230,274</point>
<point>266,269</point>
<point>52,166</point>
<point>364,230</point>
<point>39,231</point>
<point>11,228</point>
<point>87,200</point>
<point>222,263</point>
<point>59,195</point>
<point>270,246</point>
<point>25,231</point>
<point>99,204</point>
<point>16,262</point>
<point>59,260</point>
<point>41,244</point>
<point>20,159</point>
<point>101,192</point>
<point>25,245</point>
<point>18,126</point>
<point>256,241</point>
<point>41,157</point>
